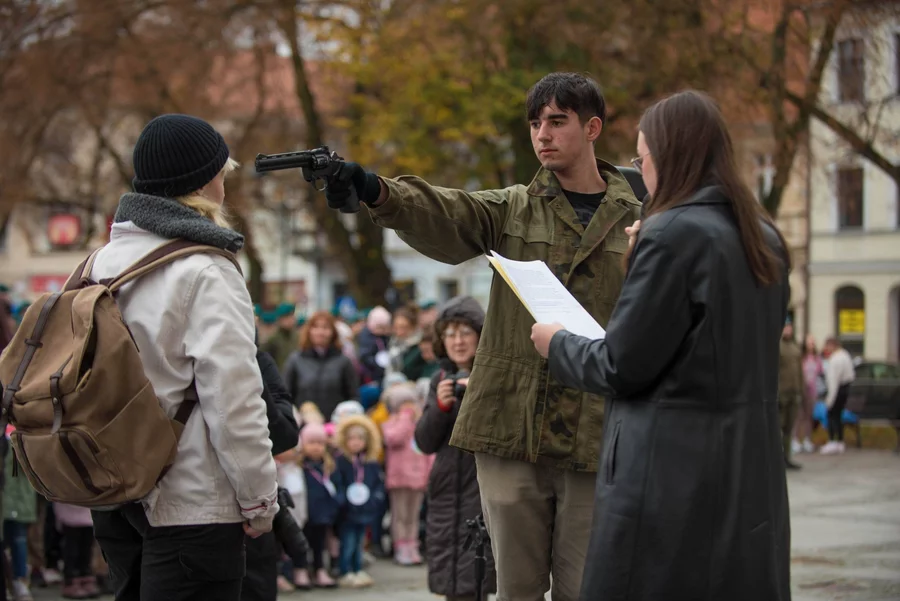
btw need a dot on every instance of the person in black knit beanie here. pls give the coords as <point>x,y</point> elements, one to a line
<point>192,321</point>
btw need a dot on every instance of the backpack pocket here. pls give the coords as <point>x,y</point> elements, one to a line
<point>67,466</point>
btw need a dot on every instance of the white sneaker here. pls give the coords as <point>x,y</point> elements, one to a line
<point>831,448</point>
<point>52,576</point>
<point>20,591</point>
<point>364,580</point>
<point>840,448</point>
<point>796,447</point>
<point>808,446</point>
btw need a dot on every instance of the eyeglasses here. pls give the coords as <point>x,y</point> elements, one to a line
<point>638,163</point>
<point>461,333</point>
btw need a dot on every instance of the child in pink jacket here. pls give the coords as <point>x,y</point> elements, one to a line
<point>407,471</point>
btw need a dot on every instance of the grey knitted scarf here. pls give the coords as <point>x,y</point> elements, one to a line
<point>170,219</point>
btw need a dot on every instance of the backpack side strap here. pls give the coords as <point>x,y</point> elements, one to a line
<point>187,406</point>
<point>33,343</point>
<point>163,255</point>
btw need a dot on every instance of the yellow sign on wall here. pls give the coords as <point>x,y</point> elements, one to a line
<point>851,321</point>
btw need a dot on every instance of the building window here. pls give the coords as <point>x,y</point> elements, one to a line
<point>850,319</point>
<point>851,71</point>
<point>448,289</point>
<point>401,292</point>
<point>765,175</point>
<point>850,197</point>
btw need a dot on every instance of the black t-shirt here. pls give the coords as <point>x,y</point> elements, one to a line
<point>585,205</point>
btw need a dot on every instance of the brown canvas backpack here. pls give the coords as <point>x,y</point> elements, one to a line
<point>89,428</point>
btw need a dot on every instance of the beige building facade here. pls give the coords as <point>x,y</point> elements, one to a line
<point>754,147</point>
<point>855,228</point>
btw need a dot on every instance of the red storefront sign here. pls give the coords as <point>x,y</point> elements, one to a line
<point>47,283</point>
<point>63,230</point>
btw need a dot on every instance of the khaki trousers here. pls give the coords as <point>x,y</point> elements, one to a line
<point>539,520</point>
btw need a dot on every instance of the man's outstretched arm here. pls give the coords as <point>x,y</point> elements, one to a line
<point>451,226</point>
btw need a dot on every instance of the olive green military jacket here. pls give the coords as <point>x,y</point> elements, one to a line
<point>513,408</point>
<point>790,369</point>
<point>280,345</point>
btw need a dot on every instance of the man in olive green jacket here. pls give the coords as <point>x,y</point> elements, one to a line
<point>791,388</point>
<point>536,443</point>
<point>285,339</point>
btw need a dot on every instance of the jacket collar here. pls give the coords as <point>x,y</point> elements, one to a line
<point>311,353</point>
<point>708,195</point>
<point>546,184</point>
<point>168,218</point>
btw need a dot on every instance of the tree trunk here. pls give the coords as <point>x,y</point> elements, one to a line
<point>368,276</point>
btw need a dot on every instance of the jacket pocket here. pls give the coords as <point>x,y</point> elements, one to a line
<point>527,241</point>
<point>611,456</point>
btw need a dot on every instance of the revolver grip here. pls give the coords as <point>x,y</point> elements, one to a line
<point>351,204</point>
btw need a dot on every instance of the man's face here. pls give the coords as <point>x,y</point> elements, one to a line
<point>559,138</point>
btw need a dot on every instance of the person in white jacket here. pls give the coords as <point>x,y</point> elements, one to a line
<point>192,320</point>
<point>839,375</point>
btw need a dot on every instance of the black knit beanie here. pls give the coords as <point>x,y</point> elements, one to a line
<point>176,155</point>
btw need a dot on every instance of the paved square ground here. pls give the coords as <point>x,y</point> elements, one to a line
<point>845,520</point>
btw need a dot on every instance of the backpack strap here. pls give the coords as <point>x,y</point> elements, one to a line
<point>163,255</point>
<point>33,343</point>
<point>77,278</point>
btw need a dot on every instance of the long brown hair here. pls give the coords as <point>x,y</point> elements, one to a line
<point>691,148</point>
<point>330,321</point>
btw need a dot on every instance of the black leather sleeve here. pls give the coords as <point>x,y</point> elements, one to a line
<point>283,429</point>
<point>647,327</point>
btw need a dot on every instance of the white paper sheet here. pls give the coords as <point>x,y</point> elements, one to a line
<point>545,297</point>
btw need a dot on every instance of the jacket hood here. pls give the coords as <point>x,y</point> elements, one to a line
<point>399,395</point>
<point>373,451</point>
<point>463,309</point>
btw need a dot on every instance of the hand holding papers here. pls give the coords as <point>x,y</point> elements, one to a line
<point>544,296</point>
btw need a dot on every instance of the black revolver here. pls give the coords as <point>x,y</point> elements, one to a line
<point>317,164</point>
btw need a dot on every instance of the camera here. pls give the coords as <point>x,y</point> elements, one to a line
<point>288,532</point>
<point>458,389</point>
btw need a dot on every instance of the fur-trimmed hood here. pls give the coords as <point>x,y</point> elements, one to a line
<point>373,451</point>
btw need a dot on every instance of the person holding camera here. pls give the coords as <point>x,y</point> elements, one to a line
<point>453,494</point>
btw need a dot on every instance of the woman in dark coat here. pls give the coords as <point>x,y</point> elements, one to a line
<point>691,493</point>
<point>453,497</point>
<point>319,371</point>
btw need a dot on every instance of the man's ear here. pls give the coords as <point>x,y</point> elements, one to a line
<point>594,127</point>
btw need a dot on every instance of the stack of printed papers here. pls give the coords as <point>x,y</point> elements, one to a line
<point>544,295</point>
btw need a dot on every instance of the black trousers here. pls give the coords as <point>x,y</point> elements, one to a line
<point>170,563</point>
<point>317,537</point>
<point>262,569</point>
<point>835,427</point>
<point>78,551</point>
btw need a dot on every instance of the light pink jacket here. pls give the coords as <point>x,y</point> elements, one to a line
<point>72,516</point>
<point>405,465</point>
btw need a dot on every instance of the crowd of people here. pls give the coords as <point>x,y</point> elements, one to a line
<point>366,398</point>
